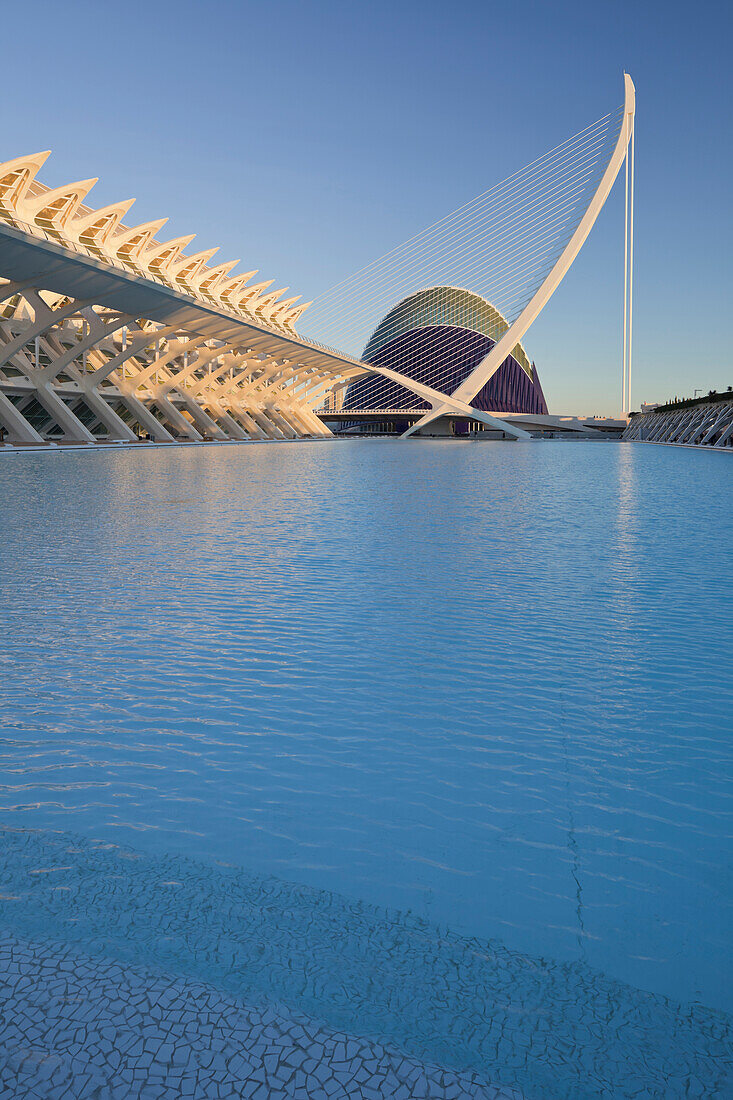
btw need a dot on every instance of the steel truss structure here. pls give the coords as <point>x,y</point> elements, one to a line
<point>108,334</point>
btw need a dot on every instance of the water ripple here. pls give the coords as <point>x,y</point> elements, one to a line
<point>488,684</point>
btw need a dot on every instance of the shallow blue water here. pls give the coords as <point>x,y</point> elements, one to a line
<point>482,683</point>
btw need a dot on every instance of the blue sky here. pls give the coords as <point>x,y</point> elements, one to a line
<point>309,138</point>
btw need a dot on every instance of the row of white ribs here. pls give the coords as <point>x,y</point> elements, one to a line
<point>74,371</point>
<point>60,212</point>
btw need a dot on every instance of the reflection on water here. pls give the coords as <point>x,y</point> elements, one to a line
<point>482,684</point>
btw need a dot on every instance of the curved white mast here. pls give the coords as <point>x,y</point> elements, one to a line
<point>629,270</point>
<point>488,366</point>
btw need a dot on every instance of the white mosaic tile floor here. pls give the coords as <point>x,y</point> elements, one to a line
<point>78,1027</point>
<point>125,970</point>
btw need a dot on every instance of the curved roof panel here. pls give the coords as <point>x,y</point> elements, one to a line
<point>443,305</point>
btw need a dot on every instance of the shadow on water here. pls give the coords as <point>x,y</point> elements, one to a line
<point>551,1030</point>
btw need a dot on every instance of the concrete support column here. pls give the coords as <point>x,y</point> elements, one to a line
<point>70,425</point>
<point>15,424</point>
<point>317,425</point>
<point>268,426</point>
<point>177,419</point>
<point>114,424</point>
<point>283,423</point>
<point>201,419</point>
<point>249,425</point>
<point>296,417</point>
<point>145,418</point>
<point>234,430</point>
<point>725,436</point>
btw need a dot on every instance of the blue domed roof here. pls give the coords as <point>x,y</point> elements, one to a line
<point>443,305</point>
<point>437,337</point>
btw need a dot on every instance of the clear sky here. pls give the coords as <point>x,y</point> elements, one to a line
<point>308,138</point>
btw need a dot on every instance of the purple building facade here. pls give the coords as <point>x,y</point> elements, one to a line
<point>438,337</point>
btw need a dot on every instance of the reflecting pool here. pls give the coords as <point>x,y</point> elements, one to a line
<point>420,750</point>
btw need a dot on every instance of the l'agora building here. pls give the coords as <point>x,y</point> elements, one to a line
<point>108,334</point>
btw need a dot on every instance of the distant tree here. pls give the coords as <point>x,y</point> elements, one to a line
<point>730,389</point>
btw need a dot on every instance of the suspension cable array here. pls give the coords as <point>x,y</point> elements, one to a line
<point>500,245</point>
